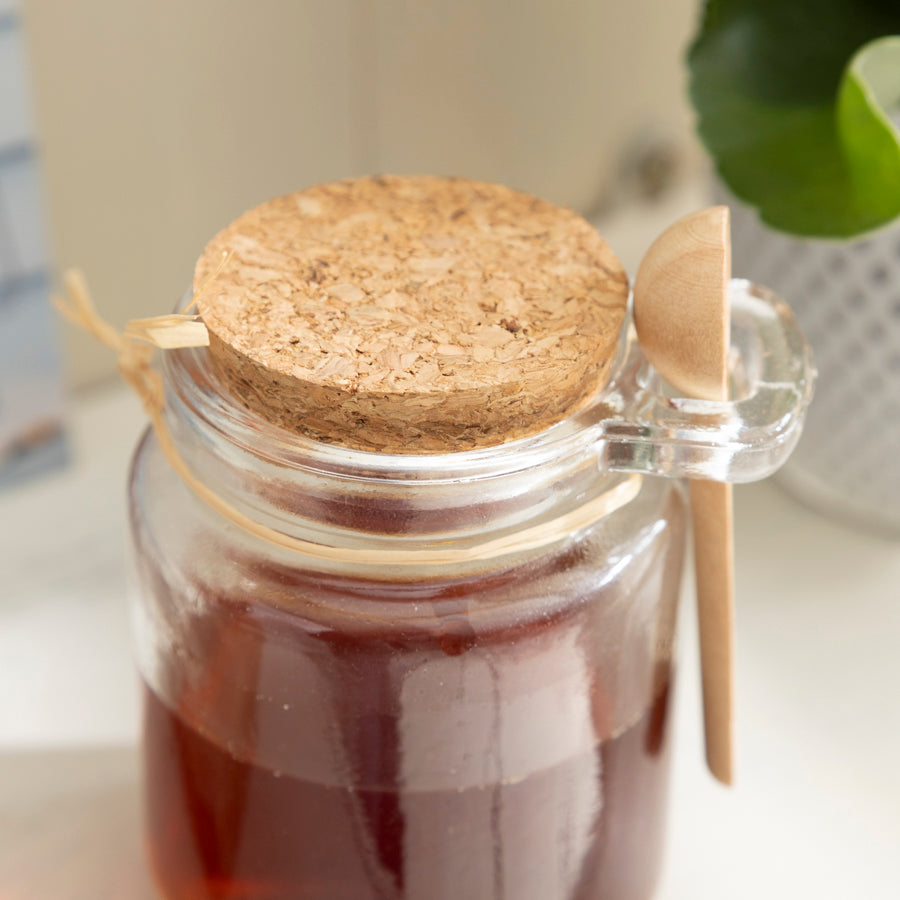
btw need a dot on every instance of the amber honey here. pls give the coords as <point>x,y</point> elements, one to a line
<point>225,822</point>
<point>222,828</point>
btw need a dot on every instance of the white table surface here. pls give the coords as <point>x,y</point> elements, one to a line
<point>816,809</point>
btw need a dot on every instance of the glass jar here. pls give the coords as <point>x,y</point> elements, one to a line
<point>467,692</point>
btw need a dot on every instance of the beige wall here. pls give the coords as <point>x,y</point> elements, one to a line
<point>160,121</point>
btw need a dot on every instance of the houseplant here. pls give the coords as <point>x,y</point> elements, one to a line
<point>798,105</point>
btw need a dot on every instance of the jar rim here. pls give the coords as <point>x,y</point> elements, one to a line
<point>193,389</point>
<point>634,423</point>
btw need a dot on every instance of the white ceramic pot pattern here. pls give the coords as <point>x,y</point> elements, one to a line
<point>846,298</point>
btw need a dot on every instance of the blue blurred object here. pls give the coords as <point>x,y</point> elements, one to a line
<point>31,397</point>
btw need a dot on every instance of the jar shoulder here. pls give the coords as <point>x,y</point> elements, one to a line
<point>187,550</point>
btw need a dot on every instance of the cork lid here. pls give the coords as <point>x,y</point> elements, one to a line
<point>412,314</point>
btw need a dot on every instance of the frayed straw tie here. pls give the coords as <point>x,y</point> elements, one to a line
<point>134,348</point>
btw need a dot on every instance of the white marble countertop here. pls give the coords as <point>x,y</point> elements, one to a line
<point>64,646</point>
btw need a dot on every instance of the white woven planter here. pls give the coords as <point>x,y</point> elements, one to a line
<point>846,297</point>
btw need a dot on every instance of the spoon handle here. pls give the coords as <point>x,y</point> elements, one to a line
<point>711,504</point>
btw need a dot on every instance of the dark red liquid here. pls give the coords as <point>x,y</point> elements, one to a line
<point>496,737</point>
<point>221,827</point>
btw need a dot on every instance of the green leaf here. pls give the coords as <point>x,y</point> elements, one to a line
<point>794,100</point>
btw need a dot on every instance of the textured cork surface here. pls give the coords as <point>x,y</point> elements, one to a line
<point>412,314</point>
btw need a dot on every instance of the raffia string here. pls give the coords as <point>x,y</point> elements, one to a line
<point>134,348</point>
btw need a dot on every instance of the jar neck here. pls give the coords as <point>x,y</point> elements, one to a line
<point>335,496</point>
<point>635,425</point>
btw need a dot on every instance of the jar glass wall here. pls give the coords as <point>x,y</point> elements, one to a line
<point>482,728</point>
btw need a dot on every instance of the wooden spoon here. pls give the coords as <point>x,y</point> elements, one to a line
<point>683,321</point>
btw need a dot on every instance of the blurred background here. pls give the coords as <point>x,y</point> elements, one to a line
<point>159,122</point>
<point>130,132</point>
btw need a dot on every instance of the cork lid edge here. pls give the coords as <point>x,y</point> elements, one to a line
<point>412,314</point>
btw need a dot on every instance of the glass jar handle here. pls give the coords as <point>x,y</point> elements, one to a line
<point>645,426</point>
